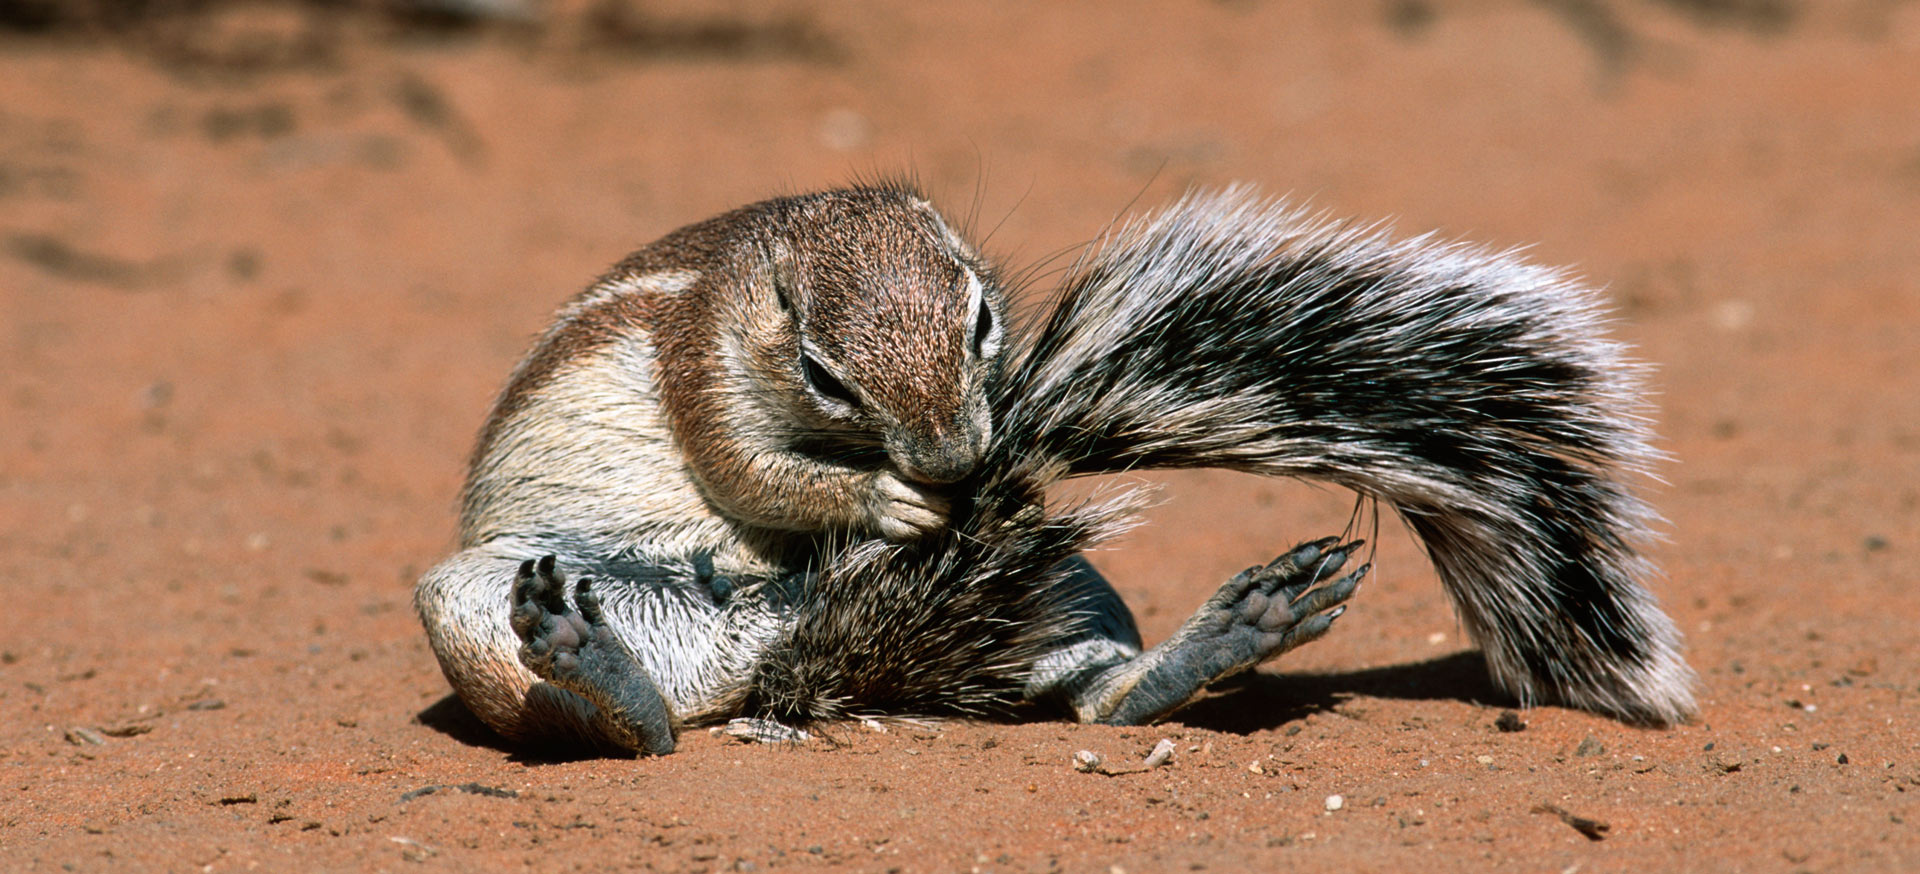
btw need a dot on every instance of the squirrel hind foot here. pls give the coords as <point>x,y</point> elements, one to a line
<point>571,647</point>
<point>1260,614</point>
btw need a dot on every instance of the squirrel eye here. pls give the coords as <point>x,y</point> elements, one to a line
<point>824,384</point>
<point>982,327</point>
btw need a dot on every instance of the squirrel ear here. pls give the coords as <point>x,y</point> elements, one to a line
<point>782,274</point>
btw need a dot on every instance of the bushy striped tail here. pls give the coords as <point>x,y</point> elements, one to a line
<point>1476,394</point>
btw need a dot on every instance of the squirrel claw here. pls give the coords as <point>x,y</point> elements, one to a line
<point>551,631</point>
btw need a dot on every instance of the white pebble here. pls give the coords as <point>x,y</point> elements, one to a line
<point>1335,802</point>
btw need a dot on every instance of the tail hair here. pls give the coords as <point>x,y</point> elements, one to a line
<point>1476,394</point>
<point>952,625</point>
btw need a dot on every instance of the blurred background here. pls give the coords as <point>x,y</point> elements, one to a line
<point>264,264</point>
<point>288,250</point>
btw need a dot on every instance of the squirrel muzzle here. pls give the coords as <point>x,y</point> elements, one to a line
<point>942,456</point>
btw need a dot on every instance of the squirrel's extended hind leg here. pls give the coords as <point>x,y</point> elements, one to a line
<point>575,650</point>
<point>1258,615</point>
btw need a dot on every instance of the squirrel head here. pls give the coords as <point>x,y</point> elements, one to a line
<point>878,329</point>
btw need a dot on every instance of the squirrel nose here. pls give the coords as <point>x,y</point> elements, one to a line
<point>940,462</point>
<point>938,469</point>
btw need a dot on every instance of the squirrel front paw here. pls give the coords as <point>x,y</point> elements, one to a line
<point>901,510</point>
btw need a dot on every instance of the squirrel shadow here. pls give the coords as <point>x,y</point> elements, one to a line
<point>1249,703</point>
<point>450,716</point>
<point>1259,702</point>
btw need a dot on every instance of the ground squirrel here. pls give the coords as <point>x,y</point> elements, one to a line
<point>790,463</point>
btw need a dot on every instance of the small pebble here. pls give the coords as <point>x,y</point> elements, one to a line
<point>1335,802</point>
<point>1085,761</point>
<point>1162,753</point>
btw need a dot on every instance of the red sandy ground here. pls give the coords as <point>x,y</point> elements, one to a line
<point>256,300</point>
